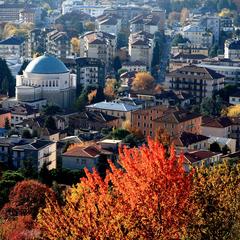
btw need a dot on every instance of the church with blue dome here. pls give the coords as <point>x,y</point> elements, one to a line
<point>46,80</point>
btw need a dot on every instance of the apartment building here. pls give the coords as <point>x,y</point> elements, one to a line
<point>109,23</point>
<point>30,15</point>
<point>189,49</point>
<point>200,82</point>
<point>10,12</point>
<point>230,70</point>
<point>12,47</point>
<point>99,45</point>
<point>58,44</point>
<point>17,12</point>
<point>140,47</point>
<point>90,71</point>
<point>143,118</point>
<point>36,151</point>
<point>151,23</point>
<point>94,9</point>
<point>176,122</point>
<point>36,41</point>
<point>198,35</point>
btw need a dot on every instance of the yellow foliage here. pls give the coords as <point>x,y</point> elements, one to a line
<point>225,13</point>
<point>110,88</point>
<point>90,26</point>
<point>143,81</point>
<point>216,198</point>
<point>233,111</point>
<point>75,42</point>
<point>127,125</point>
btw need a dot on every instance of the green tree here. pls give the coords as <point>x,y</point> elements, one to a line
<point>23,67</point>
<point>7,81</point>
<point>119,133</point>
<point>212,106</point>
<point>26,134</point>
<point>179,39</point>
<point>122,40</point>
<point>7,124</point>
<point>117,64</point>
<point>44,175</point>
<point>50,123</point>
<point>214,50</point>
<point>28,170</point>
<point>225,150</point>
<point>7,182</point>
<point>51,110</point>
<point>214,147</point>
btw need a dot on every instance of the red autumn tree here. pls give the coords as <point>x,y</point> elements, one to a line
<point>25,199</point>
<point>20,228</point>
<point>145,199</point>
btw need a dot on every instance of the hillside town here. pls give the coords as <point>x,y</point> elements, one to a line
<point>83,80</point>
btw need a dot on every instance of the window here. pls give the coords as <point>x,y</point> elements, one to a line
<point>83,161</point>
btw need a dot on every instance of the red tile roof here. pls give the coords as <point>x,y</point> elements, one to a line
<point>200,155</point>
<point>92,151</point>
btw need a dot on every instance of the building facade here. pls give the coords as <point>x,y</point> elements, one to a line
<point>200,82</point>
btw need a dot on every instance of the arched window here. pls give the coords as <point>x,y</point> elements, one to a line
<point>53,83</point>
<point>56,83</point>
<point>46,83</point>
<point>50,83</point>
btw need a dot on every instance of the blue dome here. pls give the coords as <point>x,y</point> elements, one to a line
<point>46,64</point>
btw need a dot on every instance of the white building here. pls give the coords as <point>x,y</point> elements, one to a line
<point>232,49</point>
<point>231,72</point>
<point>198,35</point>
<point>46,78</point>
<point>12,48</point>
<point>79,5</point>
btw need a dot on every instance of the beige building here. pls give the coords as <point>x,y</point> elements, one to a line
<point>200,82</point>
<point>99,45</point>
<point>216,127</point>
<point>140,47</point>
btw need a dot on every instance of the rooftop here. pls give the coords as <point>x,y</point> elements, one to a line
<point>187,139</point>
<point>113,106</point>
<point>14,40</point>
<point>198,156</point>
<point>221,122</point>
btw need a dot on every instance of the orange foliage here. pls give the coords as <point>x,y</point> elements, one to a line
<point>146,200</point>
<point>143,81</point>
<point>92,95</point>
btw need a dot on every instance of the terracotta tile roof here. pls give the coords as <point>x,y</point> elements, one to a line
<point>221,122</point>
<point>197,156</point>
<point>92,151</point>
<point>178,117</point>
<point>202,71</point>
<point>187,139</point>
